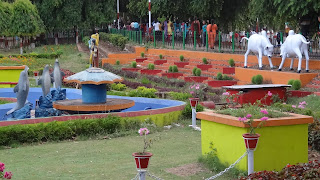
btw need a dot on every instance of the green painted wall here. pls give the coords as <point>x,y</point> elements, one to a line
<point>277,145</point>
<point>161,119</point>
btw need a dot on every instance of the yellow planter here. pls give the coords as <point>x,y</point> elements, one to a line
<point>9,75</point>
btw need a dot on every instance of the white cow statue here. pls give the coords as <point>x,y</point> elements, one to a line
<point>294,46</point>
<point>260,45</point>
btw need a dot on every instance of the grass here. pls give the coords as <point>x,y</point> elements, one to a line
<point>71,58</point>
<point>105,159</point>
<point>313,101</point>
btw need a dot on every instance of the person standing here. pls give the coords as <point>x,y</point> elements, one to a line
<point>204,32</point>
<point>212,32</point>
<point>195,30</point>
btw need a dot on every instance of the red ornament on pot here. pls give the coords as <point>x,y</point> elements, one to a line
<point>142,160</point>
<point>251,140</point>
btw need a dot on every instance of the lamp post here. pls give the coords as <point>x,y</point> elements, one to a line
<point>118,14</point>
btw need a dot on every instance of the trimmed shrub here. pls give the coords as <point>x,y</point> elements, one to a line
<point>170,68</point>
<point>143,92</point>
<point>118,87</point>
<point>253,80</point>
<point>204,60</point>
<point>296,84</point>
<point>231,62</point>
<point>151,66</point>
<point>145,80</point>
<point>117,62</point>
<point>258,79</point>
<point>187,112</point>
<point>194,70</point>
<point>134,64</point>
<point>180,96</point>
<point>175,68</point>
<point>226,77</point>
<point>181,58</point>
<point>103,36</point>
<point>290,82</point>
<point>198,72</point>
<point>142,54</point>
<point>160,56</point>
<point>219,76</point>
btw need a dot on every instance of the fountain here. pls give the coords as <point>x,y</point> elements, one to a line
<point>94,91</point>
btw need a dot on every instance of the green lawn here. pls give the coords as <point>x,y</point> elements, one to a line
<point>105,159</point>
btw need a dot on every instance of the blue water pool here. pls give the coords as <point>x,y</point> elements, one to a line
<point>140,103</point>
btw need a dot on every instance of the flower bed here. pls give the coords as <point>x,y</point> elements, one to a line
<point>131,69</point>
<point>181,64</point>
<point>172,75</point>
<point>150,71</point>
<point>138,60</point>
<point>218,83</point>
<point>160,61</point>
<point>204,67</point>
<point>296,93</point>
<point>228,70</point>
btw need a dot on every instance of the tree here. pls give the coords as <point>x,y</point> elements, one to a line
<point>5,20</point>
<point>25,20</point>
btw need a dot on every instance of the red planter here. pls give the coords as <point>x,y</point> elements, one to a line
<point>150,71</point>
<point>160,61</point>
<point>142,161</point>
<point>218,83</point>
<point>181,64</point>
<point>204,67</point>
<point>296,93</point>
<point>194,101</point>
<point>172,75</point>
<point>131,69</point>
<point>140,59</point>
<point>251,141</point>
<point>198,79</point>
<point>228,70</point>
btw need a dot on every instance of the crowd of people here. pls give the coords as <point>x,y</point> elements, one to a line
<point>168,28</point>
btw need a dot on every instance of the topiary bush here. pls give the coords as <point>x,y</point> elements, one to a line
<point>258,79</point>
<point>290,82</point>
<point>175,68</point>
<point>170,69</point>
<point>117,62</point>
<point>226,77</point>
<point>160,56</point>
<point>204,60</point>
<point>142,54</point>
<point>231,62</point>
<point>187,112</point>
<point>296,85</point>
<point>194,70</point>
<point>181,58</point>
<point>198,72</point>
<point>134,64</point>
<point>219,76</point>
<point>151,66</point>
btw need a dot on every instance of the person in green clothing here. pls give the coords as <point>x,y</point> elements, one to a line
<point>204,32</point>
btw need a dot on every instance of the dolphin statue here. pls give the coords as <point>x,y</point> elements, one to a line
<point>21,90</point>
<point>57,75</point>
<point>45,81</point>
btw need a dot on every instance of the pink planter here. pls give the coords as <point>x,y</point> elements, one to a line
<point>228,70</point>
<point>150,71</point>
<point>141,59</point>
<point>172,75</point>
<point>204,67</point>
<point>160,61</point>
<point>218,83</point>
<point>296,93</point>
<point>181,64</point>
<point>198,79</point>
<point>131,69</point>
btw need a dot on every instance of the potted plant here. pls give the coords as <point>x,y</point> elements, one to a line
<point>142,58</point>
<point>132,68</point>
<point>160,60</point>
<point>150,70</point>
<point>196,76</point>
<point>205,66</point>
<point>230,69</point>
<point>294,90</point>
<point>222,80</point>
<point>142,158</point>
<point>181,63</point>
<point>173,72</point>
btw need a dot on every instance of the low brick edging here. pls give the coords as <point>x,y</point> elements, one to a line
<point>93,116</point>
<point>8,99</point>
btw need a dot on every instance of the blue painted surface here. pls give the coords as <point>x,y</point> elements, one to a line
<point>140,103</point>
<point>94,93</point>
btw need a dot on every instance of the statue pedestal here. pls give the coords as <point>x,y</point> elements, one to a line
<point>22,113</point>
<point>45,108</point>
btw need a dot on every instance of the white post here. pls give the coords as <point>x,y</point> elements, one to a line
<point>142,175</point>
<point>250,162</point>
<point>149,13</point>
<point>118,14</point>
<point>194,115</point>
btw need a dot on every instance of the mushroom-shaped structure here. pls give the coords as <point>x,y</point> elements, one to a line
<point>93,81</point>
<point>94,92</point>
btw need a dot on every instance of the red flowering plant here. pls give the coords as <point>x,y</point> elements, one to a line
<point>4,175</point>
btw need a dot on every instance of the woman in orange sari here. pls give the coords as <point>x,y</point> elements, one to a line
<point>212,33</point>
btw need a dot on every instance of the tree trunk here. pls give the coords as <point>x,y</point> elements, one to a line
<point>56,39</point>
<point>21,42</point>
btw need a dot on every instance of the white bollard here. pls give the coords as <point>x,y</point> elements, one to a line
<point>250,162</point>
<point>194,115</point>
<point>142,175</point>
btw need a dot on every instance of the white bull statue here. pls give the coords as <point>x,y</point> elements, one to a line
<point>259,44</point>
<point>294,46</point>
